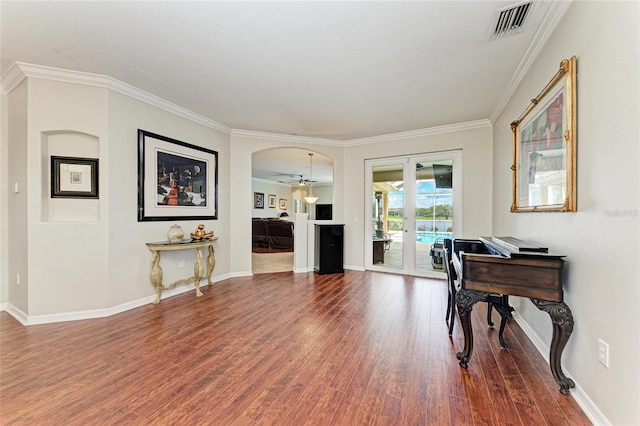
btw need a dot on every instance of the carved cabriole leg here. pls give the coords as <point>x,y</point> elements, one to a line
<point>211,262</point>
<point>156,275</point>
<point>505,313</point>
<point>489,309</point>
<point>562,320</point>
<point>198,271</point>
<point>465,299</point>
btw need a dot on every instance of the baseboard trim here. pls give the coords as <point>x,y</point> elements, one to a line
<point>354,268</point>
<point>579,395</point>
<point>27,320</point>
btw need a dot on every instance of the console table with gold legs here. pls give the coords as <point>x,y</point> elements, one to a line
<point>198,268</point>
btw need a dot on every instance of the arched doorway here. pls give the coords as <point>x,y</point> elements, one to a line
<point>280,179</point>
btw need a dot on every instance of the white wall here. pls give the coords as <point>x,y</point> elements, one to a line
<point>66,261</point>
<point>70,262</point>
<point>602,239</point>
<point>476,146</point>
<point>14,170</point>
<point>4,213</point>
<point>129,259</point>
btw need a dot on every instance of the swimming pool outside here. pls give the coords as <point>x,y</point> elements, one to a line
<point>431,237</point>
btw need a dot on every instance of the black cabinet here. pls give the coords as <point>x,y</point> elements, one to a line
<point>329,249</point>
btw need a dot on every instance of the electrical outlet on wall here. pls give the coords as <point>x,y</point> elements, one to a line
<point>603,353</point>
<point>181,264</point>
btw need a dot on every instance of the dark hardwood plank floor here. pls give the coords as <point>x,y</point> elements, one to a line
<point>359,348</point>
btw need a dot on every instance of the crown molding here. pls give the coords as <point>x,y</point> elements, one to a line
<point>11,79</point>
<point>279,137</point>
<point>364,141</point>
<point>147,97</point>
<point>19,71</point>
<point>468,125</point>
<point>552,18</point>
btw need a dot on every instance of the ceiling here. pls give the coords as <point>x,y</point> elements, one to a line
<point>333,70</point>
<point>285,165</point>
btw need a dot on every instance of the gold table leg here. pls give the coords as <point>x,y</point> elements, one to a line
<point>156,275</point>
<point>211,262</point>
<point>198,271</point>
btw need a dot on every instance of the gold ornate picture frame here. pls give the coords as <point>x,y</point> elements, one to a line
<point>272,201</point>
<point>544,147</point>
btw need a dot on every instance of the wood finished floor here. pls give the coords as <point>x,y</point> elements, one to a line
<point>361,348</point>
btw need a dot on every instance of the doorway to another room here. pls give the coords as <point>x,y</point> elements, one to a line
<point>284,181</point>
<point>415,203</point>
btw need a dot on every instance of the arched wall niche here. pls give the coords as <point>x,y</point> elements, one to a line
<point>74,144</point>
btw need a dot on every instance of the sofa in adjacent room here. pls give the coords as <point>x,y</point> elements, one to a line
<point>272,234</point>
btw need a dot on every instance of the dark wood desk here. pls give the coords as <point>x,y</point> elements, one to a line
<point>507,266</point>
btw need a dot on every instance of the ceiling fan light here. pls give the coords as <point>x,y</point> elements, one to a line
<point>310,199</point>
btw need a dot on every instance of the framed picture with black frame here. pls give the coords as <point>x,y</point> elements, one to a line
<point>74,177</point>
<point>176,180</point>
<point>258,200</point>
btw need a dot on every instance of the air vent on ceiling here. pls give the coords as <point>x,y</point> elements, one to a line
<point>511,20</point>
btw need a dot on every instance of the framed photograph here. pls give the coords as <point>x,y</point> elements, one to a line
<point>283,203</point>
<point>176,180</point>
<point>73,177</point>
<point>272,201</point>
<point>258,200</point>
<point>544,147</point>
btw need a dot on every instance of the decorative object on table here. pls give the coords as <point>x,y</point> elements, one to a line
<point>544,147</point>
<point>175,234</point>
<point>176,180</point>
<point>73,177</point>
<point>201,234</point>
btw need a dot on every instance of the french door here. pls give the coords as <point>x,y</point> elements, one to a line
<point>414,203</point>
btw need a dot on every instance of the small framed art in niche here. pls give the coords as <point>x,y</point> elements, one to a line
<point>544,147</point>
<point>73,177</point>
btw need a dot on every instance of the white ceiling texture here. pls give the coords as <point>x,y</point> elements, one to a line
<point>328,69</point>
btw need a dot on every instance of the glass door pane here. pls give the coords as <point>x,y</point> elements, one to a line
<point>411,211</point>
<point>387,215</point>
<point>433,212</point>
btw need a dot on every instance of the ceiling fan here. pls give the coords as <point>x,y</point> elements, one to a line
<point>301,181</point>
